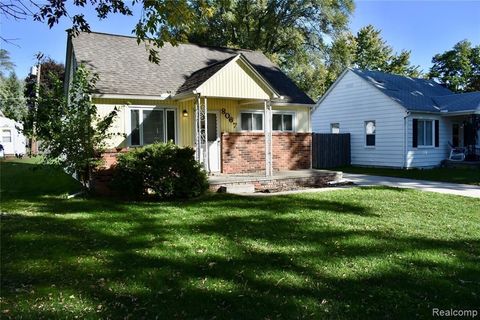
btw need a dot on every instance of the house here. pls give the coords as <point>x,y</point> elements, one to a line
<point>238,110</point>
<point>396,121</point>
<point>12,138</point>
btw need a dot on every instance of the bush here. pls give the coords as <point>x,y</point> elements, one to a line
<point>161,169</point>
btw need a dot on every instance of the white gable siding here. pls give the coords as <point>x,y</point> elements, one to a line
<point>352,102</point>
<point>428,156</point>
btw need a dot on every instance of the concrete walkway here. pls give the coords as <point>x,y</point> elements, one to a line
<point>423,185</point>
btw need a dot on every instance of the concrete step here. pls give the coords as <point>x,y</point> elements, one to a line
<point>235,188</point>
<point>240,188</point>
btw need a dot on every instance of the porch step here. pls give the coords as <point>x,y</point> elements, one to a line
<point>280,181</point>
<point>238,188</point>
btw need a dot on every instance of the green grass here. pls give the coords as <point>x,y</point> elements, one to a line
<point>355,253</point>
<point>455,175</point>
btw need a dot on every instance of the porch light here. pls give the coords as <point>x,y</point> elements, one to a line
<point>185,113</point>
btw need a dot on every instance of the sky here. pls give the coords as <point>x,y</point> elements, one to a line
<point>425,27</point>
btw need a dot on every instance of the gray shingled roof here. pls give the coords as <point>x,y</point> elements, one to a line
<point>123,66</point>
<point>459,102</point>
<point>412,93</point>
<point>199,77</point>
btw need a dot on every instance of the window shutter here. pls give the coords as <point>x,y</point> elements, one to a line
<point>437,133</point>
<point>415,133</point>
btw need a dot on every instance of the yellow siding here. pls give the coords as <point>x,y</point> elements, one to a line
<point>118,126</point>
<point>186,127</point>
<point>235,80</point>
<point>302,117</point>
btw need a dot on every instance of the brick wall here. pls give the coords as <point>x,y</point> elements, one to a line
<point>102,176</point>
<point>244,152</point>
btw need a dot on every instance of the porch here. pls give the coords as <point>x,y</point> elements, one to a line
<point>465,133</point>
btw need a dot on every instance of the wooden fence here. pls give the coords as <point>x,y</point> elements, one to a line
<point>330,150</point>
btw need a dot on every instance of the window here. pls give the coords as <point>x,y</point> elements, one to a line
<point>6,135</point>
<point>251,121</point>
<point>335,128</point>
<point>282,122</point>
<point>370,130</point>
<point>148,125</point>
<point>425,133</point>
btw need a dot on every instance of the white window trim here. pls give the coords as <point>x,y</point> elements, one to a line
<point>294,120</point>
<point>427,146</point>
<point>149,108</point>
<point>365,133</point>
<point>253,112</point>
<point>331,127</point>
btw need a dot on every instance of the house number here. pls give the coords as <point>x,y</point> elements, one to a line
<point>229,117</point>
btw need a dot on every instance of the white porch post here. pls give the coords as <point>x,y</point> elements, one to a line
<point>201,143</point>
<point>267,129</point>
<point>197,129</point>
<point>206,162</point>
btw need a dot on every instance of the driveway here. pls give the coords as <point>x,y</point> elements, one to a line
<point>423,185</point>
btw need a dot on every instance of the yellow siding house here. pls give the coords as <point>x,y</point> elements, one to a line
<point>235,107</point>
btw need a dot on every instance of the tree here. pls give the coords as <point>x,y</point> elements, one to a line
<point>6,64</point>
<point>75,134</point>
<point>51,85</point>
<point>290,33</point>
<point>161,20</point>
<point>12,101</point>
<point>367,50</point>
<point>51,71</point>
<point>458,68</point>
<point>285,30</point>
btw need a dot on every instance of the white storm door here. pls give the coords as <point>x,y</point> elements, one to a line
<point>213,137</point>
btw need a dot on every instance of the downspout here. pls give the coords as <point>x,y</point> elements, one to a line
<point>405,139</point>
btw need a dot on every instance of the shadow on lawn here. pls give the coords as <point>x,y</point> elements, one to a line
<point>157,267</point>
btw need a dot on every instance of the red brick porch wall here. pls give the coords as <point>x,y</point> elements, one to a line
<point>244,152</point>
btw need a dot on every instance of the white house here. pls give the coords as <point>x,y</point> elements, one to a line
<point>396,121</point>
<point>12,138</point>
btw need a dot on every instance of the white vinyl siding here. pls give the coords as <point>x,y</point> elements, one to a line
<point>352,102</point>
<point>425,157</point>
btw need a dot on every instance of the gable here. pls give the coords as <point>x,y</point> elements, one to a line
<point>350,90</point>
<point>236,80</point>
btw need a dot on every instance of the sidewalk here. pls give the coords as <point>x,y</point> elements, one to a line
<point>423,185</point>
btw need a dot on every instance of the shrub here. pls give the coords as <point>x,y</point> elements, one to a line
<point>161,169</point>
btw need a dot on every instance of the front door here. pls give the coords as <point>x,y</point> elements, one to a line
<point>213,137</point>
<point>457,135</point>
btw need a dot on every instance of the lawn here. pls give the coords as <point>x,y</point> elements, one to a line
<point>355,253</point>
<point>455,175</point>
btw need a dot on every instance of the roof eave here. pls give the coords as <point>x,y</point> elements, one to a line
<point>460,113</point>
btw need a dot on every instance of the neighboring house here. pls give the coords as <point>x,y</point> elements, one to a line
<point>234,103</point>
<point>12,138</point>
<point>396,121</point>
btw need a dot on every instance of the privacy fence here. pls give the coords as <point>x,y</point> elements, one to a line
<point>330,150</point>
